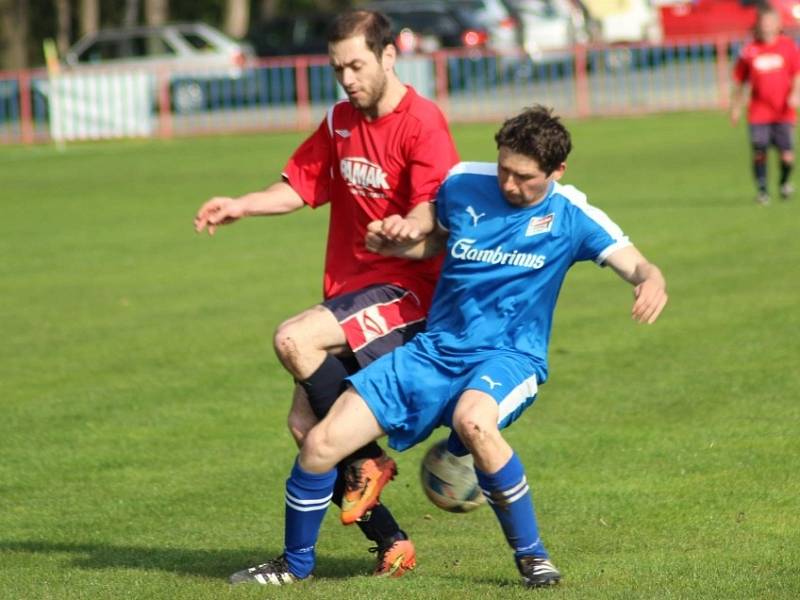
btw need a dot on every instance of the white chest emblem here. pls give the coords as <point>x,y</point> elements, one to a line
<point>539,225</point>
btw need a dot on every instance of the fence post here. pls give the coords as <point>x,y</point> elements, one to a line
<point>303,102</point>
<point>25,108</point>
<point>723,72</point>
<point>164,110</point>
<point>582,103</point>
<point>442,93</point>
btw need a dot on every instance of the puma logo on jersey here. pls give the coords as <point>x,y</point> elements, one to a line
<point>475,216</point>
<point>359,172</point>
<point>342,133</point>
<point>492,384</point>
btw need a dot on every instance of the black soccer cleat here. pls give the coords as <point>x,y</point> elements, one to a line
<point>272,572</point>
<point>537,571</point>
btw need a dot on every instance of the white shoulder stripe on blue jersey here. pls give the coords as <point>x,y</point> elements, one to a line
<point>578,199</point>
<point>473,168</point>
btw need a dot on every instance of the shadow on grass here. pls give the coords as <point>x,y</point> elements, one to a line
<point>213,564</point>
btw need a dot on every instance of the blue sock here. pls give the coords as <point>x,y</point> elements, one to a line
<point>307,497</point>
<point>509,496</point>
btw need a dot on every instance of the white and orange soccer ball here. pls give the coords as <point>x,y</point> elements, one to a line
<point>449,481</point>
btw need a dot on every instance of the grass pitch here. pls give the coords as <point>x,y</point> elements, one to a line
<point>142,434</point>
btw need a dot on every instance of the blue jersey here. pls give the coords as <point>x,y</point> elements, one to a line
<point>505,264</point>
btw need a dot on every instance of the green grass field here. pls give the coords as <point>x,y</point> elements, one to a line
<point>142,441</point>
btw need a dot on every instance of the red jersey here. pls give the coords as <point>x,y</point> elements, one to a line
<point>369,170</point>
<point>770,69</point>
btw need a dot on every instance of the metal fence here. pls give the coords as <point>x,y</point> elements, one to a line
<point>294,92</point>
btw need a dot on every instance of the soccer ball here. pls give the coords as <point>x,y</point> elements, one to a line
<point>449,481</point>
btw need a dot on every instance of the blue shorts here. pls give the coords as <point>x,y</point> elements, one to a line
<point>414,389</point>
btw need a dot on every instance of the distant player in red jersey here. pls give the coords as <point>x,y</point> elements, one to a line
<point>771,66</point>
<point>380,154</point>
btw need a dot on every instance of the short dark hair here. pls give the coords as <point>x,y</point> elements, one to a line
<point>373,25</point>
<point>537,134</point>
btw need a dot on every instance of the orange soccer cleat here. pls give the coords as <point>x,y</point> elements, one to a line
<point>396,557</point>
<point>363,481</point>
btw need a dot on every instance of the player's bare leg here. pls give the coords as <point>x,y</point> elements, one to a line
<point>501,476</point>
<point>301,418</point>
<point>787,164</point>
<point>310,346</point>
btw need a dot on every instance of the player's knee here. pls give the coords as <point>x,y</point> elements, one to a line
<point>317,452</point>
<point>474,430</point>
<point>299,425</point>
<point>287,342</point>
<point>759,154</point>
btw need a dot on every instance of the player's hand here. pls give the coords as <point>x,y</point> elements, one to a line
<point>391,234</point>
<point>217,211</point>
<point>651,298</point>
<point>735,114</point>
<point>793,100</point>
<point>374,240</point>
<point>400,230</point>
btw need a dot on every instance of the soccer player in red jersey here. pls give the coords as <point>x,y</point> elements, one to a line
<point>771,65</point>
<point>380,154</point>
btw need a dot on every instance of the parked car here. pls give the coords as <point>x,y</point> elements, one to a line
<point>551,28</point>
<point>195,54</point>
<point>424,27</point>
<point>291,35</point>
<point>501,21</point>
<point>720,17</point>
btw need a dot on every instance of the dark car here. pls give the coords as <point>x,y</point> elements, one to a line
<point>428,26</point>
<point>291,35</point>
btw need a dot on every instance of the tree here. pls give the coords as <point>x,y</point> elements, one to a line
<point>63,25</point>
<point>15,26</point>
<point>237,17</point>
<point>90,16</point>
<point>131,15</point>
<point>156,12</point>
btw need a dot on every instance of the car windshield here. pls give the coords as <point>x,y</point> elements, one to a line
<point>198,42</point>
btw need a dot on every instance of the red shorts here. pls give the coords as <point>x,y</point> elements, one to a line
<point>377,319</point>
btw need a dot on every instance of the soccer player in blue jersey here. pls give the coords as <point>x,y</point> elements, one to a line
<point>511,232</point>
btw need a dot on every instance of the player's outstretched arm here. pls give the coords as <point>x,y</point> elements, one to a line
<point>650,287</point>
<point>278,199</point>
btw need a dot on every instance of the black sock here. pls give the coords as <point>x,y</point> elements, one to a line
<point>786,171</point>
<point>325,385</point>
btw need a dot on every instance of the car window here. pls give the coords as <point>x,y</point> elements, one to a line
<point>135,46</point>
<point>424,22</point>
<point>198,42</point>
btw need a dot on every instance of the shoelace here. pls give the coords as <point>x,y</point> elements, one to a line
<point>381,551</point>
<point>276,565</point>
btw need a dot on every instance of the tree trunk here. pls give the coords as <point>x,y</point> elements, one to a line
<point>268,9</point>
<point>15,27</point>
<point>63,26</point>
<point>156,12</point>
<point>90,16</point>
<point>130,17</point>
<point>237,17</point>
